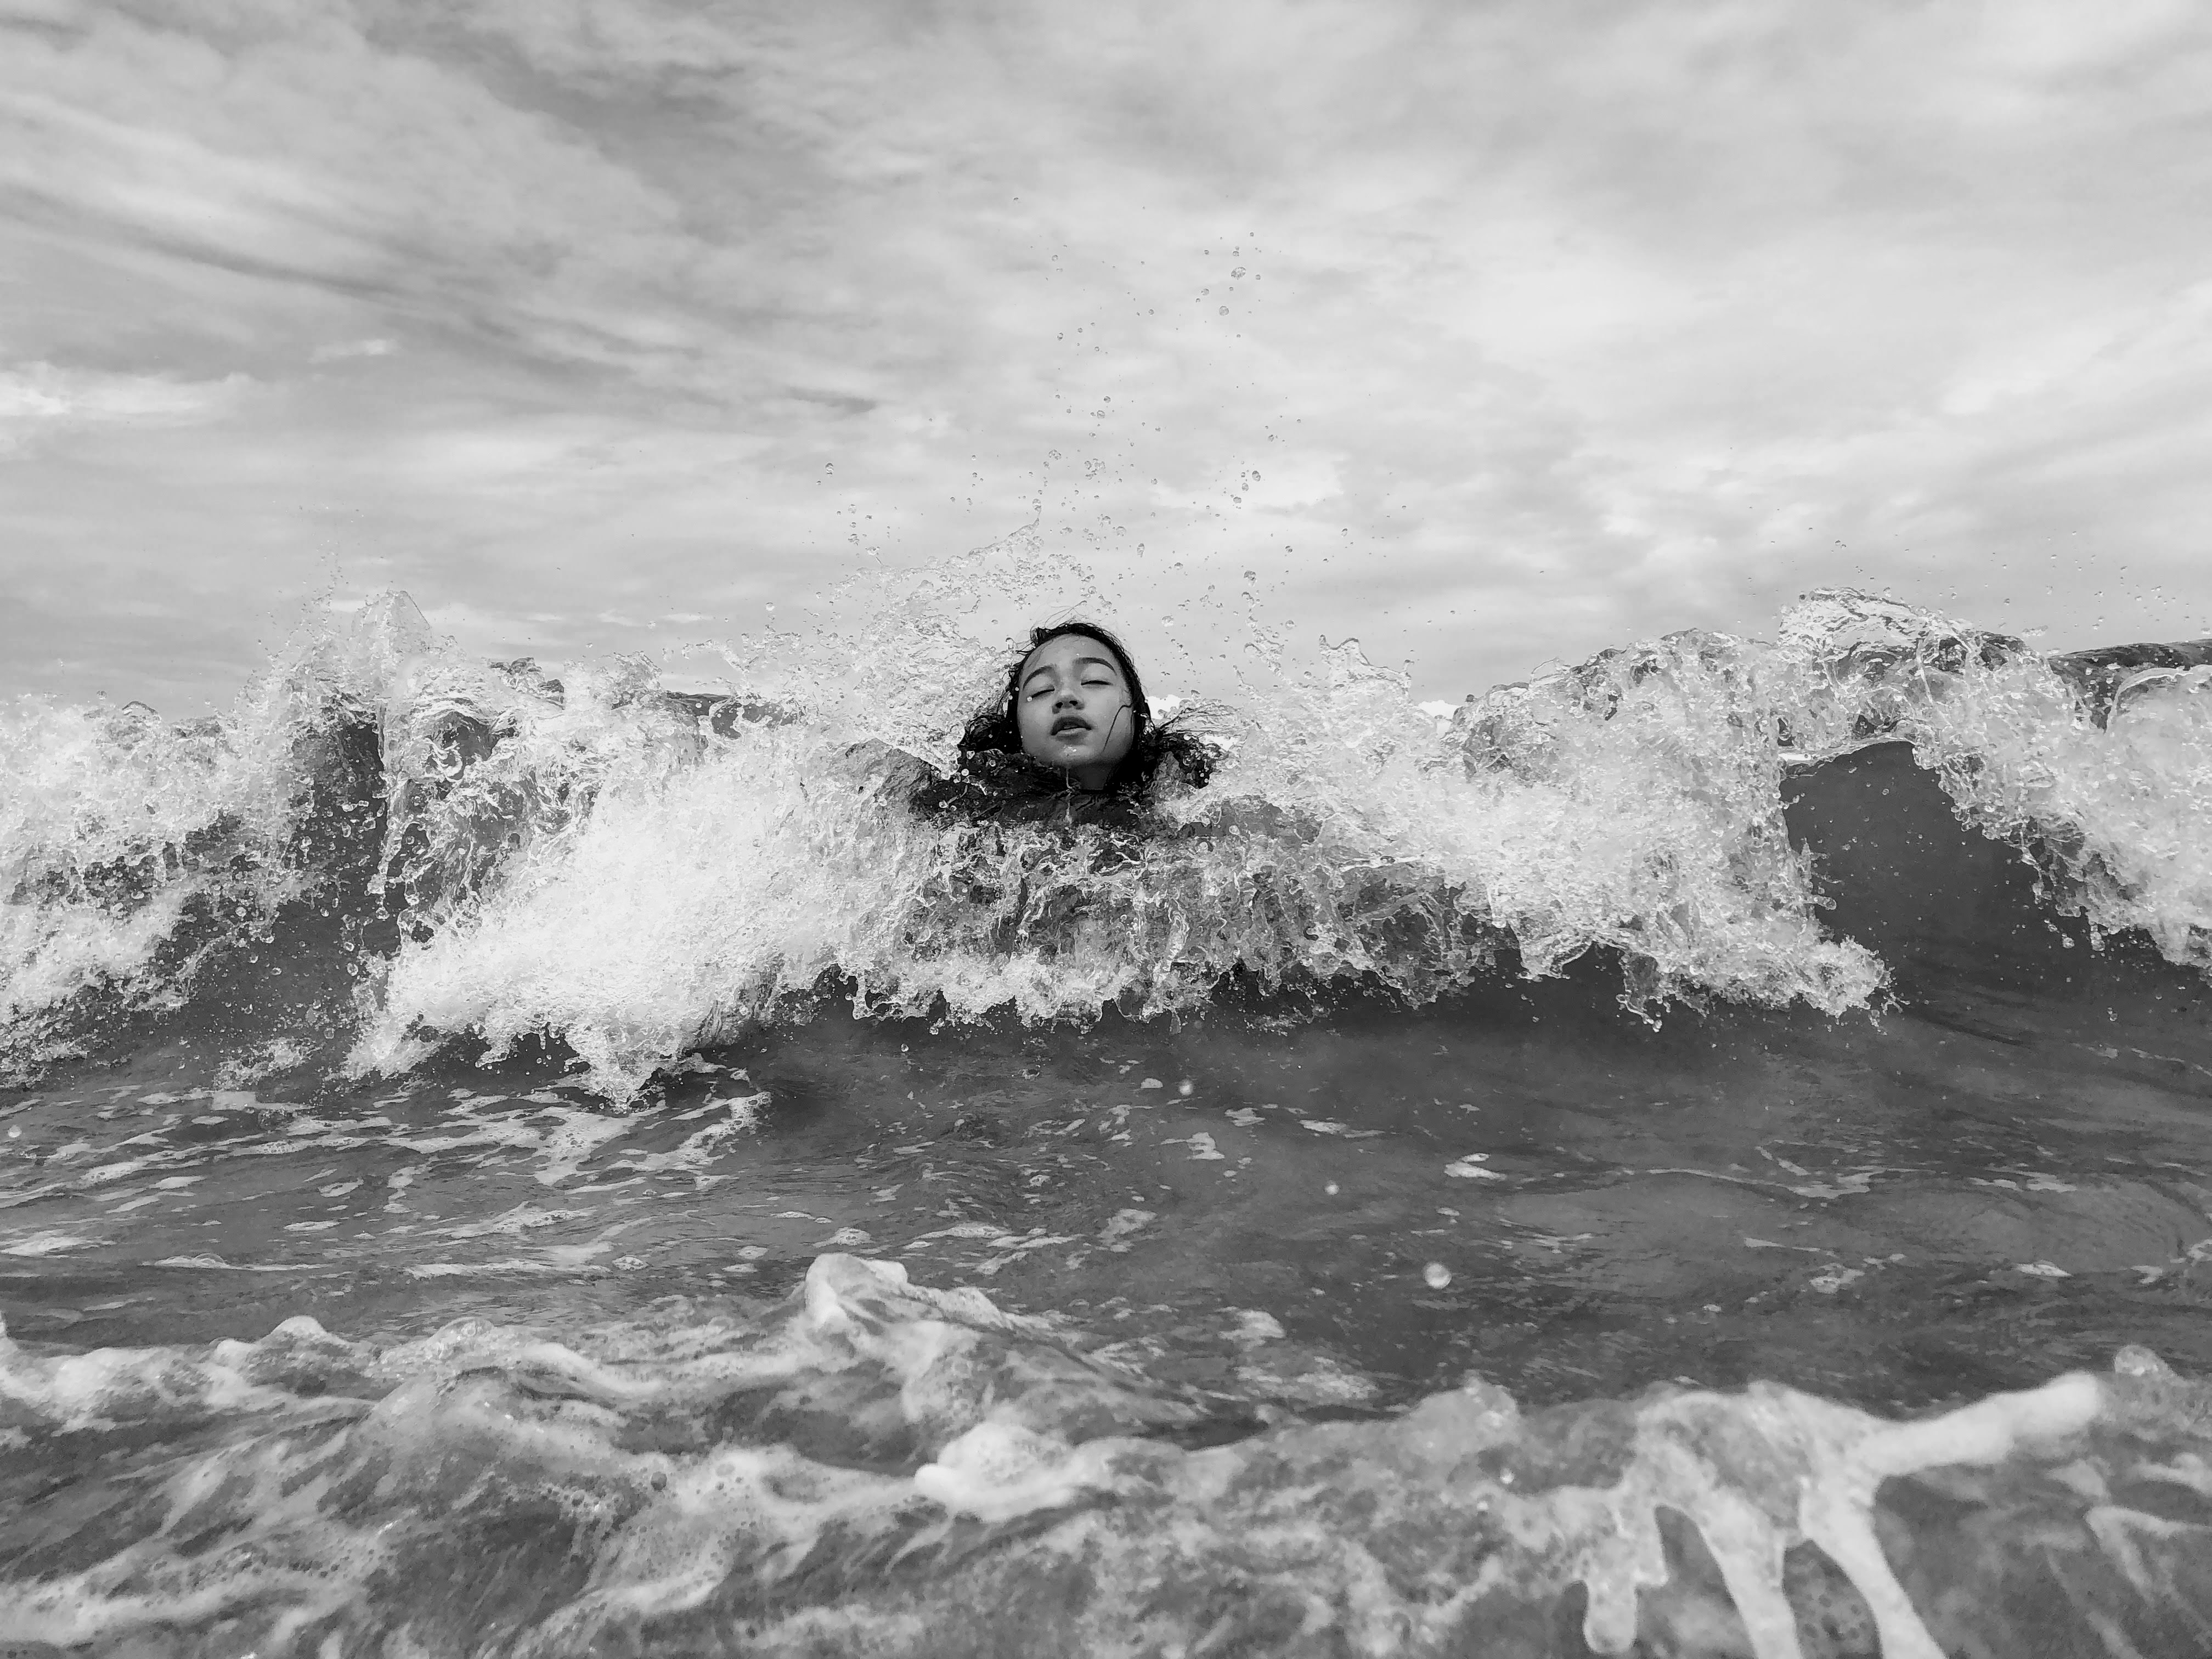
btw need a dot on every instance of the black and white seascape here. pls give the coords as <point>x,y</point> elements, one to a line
<point>943,830</point>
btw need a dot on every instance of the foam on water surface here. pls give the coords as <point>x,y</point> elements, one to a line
<point>900,1462</point>
<point>1113,1447</point>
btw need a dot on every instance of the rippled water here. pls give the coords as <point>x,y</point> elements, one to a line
<point>499,1169</point>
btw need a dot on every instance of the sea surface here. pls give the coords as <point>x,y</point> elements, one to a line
<point>1708,1151</point>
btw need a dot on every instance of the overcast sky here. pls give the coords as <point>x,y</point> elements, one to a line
<point>1493,333</point>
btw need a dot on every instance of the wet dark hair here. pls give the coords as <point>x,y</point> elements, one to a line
<point>992,741</point>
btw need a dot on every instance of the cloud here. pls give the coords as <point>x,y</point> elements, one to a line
<point>340,351</point>
<point>40,398</point>
<point>1491,333</point>
<point>291,150</point>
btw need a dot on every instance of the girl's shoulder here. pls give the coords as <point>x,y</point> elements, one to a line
<point>1012,789</point>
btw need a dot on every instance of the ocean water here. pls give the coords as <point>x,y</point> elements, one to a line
<point>1706,1152</point>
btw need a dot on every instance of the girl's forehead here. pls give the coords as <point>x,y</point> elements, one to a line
<point>1066,650</point>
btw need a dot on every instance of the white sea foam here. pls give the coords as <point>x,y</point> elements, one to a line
<point>910,1458</point>
<point>717,875</point>
<point>594,864</point>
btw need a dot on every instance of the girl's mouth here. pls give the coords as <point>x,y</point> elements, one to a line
<point>1068,723</point>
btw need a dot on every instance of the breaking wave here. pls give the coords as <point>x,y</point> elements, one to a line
<point>463,851</point>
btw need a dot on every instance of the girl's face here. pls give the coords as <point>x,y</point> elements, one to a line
<point>1071,705</point>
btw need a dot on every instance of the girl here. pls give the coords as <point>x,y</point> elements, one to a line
<point>1070,740</point>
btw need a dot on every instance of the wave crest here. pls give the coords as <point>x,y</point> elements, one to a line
<point>635,872</point>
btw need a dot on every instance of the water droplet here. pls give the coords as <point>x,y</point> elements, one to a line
<point>1436,1275</point>
<point>1330,1189</point>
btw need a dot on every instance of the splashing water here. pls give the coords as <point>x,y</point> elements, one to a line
<point>1341,845</point>
<point>502,1019</point>
<point>601,865</point>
